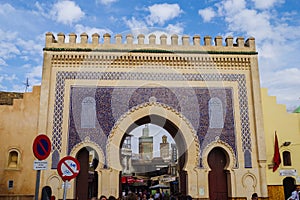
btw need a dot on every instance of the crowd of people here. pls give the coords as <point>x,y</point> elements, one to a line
<point>147,196</point>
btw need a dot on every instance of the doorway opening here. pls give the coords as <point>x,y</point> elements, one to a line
<point>87,179</point>
<point>288,185</point>
<point>217,177</point>
<point>152,157</point>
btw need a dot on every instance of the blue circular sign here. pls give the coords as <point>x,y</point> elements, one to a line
<point>41,147</point>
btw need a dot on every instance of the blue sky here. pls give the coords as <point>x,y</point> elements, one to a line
<point>275,24</point>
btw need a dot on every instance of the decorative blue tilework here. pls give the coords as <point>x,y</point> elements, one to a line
<point>110,105</point>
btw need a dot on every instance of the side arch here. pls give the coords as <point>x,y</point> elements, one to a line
<point>220,189</point>
<point>249,182</point>
<point>229,153</point>
<point>127,123</point>
<point>55,182</point>
<point>97,148</point>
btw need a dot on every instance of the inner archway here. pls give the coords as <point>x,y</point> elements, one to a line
<point>157,168</point>
<point>149,158</point>
<point>174,123</point>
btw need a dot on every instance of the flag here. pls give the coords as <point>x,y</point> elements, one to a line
<point>276,157</point>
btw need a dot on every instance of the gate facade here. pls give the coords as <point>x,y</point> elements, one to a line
<point>207,96</point>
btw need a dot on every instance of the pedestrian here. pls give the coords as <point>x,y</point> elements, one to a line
<point>102,197</point>
<point>254,196</point>
<point>295,194</point>
<point>112,198</point>
<point>157,195</point>
<point>131,196</point>
<point>144,197</point>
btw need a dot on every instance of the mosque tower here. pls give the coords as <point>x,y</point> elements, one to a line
<point>146,144</point>
<point>164,148</point>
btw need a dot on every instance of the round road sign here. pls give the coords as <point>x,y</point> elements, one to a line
<point>41,147</point>
<point>68,168</point>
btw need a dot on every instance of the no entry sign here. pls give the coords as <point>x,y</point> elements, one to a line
<point>41,147</point>
<point>68,168</point>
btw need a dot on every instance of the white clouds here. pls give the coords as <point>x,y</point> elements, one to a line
<point>8,47</point>
<point>6,9</point>
<point>8,50</point>
<point>289,76</point>
<point>90,30</point>
<point>207,14</point>
<point>2,62</point>
<point>266,4</point>
<point>160,13</point>
<point>66,12</point>
<point>6,78</point>
<point>12,46</point>
<point>34,76</point>
<point>175,28</point>
<point>243,22</point>
<point>278,43</point>
<point>106,2</point>
<point>30,47</point>
<point>136,26</point>
<point>285,84</point>
<point>139,27</point>
<point>230,7</point>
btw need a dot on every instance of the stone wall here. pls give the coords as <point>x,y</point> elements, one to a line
<point>18,128</point>
<point>6,98</point>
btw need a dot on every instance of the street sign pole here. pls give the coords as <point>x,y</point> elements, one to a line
<point>37,184</point>
<point>41,149</point>
<point>68,168</point>
<point>65,190</point>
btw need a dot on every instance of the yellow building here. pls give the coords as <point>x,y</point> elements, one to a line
<point>207,96</point>
<point>287,127</point>
<point>18,127</point>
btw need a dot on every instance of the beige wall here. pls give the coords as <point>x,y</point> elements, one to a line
<point>18,128</point>
<point>287,126</point>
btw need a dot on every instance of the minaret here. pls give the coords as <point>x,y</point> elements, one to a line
<point>164,148</point>
<point>174,153</point>
<point>146,144</point>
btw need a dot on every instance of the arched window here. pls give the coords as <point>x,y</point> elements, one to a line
<point>286,158</point>
<point>88,112</point>
<point>13,159</point>
<point>215,108</point>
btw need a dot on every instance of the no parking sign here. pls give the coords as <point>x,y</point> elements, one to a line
<point>68,168</point>
<point>41,147</point>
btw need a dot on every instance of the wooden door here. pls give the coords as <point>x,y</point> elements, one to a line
<point>82,185</point>
<point>217,177</point>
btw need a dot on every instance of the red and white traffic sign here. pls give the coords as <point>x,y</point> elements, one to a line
<point>68,168</point>
<point>41,147</point>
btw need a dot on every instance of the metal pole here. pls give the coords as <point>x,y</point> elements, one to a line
<point>37,184</point>
<point>65,190</point>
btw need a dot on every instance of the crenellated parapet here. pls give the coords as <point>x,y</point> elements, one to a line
<point>183,43</point>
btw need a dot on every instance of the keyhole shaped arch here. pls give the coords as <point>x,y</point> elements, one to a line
<point>89,144</point>
<point>230,156</point>
<point>161,115</point>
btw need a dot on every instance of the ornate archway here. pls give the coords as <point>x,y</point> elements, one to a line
<point>220,150</point>
<point>86,185</point>
<point>169,119</point>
